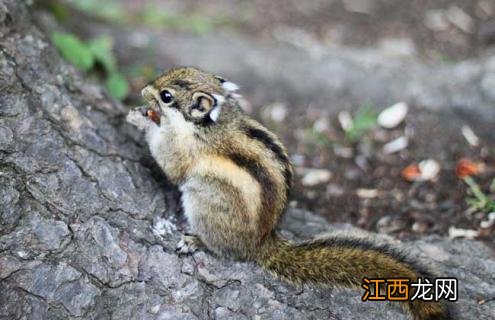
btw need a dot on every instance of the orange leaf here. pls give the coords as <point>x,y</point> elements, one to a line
<point>411,172</point>
<point>467,168</point>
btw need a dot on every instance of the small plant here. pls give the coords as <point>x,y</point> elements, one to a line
<point>86,56</point>
<point>316,138</point>
<point>74,50</point>
<point>479,200</point>
<point>363,121</point>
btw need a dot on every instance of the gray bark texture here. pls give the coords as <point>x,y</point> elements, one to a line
<point>88,227</point>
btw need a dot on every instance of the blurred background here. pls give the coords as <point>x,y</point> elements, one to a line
<point>387,107</point>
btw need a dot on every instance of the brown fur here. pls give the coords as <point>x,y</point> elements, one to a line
<point>235,176</point>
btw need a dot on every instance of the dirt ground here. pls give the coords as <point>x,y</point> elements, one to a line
<point>436,29</point>
<point>367,189</point>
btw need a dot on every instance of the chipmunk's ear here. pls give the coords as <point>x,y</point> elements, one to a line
<point>206,105</point>
<point>227,85</point>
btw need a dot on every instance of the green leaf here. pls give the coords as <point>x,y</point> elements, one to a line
<point>479,201</point>
<point>73,50</point>
<point>117,86</point>
<point>59,11</point>
<point>364,120</point>
<point>102,51</point>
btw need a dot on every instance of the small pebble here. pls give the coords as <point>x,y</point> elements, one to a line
<point>429,169</point>
<point>470,136</point>
<point>345,120</point>
<point>460,19</point>
<point>313,177</point>
<point>485,224</point>
<point>343,152</point>
<point>420,227</point>
<point>462,233</point>
<point>321,125</point>
<point>278,112</point>
<point>367,193</point>
<point>396,145</point>
<point>393,115</point>
<point>436,20</point>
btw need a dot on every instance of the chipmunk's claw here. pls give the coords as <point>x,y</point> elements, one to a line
<point>188,244</point>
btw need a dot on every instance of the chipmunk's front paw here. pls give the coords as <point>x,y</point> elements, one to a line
<point>188,244</point>
<point>138,117</point>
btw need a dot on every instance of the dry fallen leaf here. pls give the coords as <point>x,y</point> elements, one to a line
<point>467,168</point>
<point>411,172</point>
<point>426,170</point>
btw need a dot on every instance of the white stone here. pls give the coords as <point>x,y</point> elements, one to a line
<point>462,233</point>
<point>321,125</point>
<point>313,177</point>
<point>396,145</point>
<point>436,20</point>
<point>278,112</point>
<point>470,136</point>
<point>429,169</point>
<point>367,193</point>
<point>393,115</point>
<point>485,224</point>
<point>345,120</point>
<point>460,19</point>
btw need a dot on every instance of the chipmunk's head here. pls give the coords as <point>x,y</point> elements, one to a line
<point>189,94</point>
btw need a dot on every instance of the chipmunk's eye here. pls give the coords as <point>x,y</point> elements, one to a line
<point>166,96</point>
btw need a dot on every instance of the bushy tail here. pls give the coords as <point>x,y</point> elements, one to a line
<point>345,262</point>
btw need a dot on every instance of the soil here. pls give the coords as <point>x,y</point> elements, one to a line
<point>402,208</point>
<point>367,23</point>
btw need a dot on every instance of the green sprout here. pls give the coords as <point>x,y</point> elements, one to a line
<point>85,56</point>
<point>318,139</point>
<point>363,121</point>
<point>479,200</point>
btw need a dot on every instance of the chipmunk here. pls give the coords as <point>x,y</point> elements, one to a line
<point>235,177</point>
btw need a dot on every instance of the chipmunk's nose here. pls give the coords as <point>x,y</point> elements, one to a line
<point>147,93</point>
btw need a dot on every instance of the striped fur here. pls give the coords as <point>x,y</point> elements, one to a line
<point>235,177</point>
<point>344,262</point>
